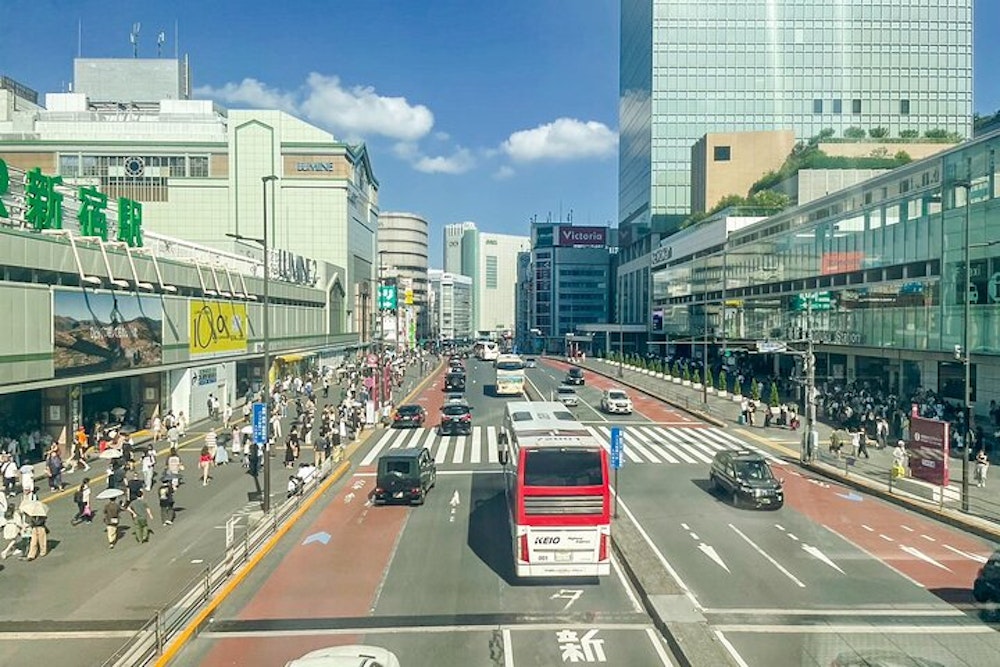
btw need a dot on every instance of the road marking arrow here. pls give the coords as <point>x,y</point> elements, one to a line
<point>819,555</point>
<point>455,501</point>
<point>916,553</point>
<point>321,537</point>
<point>711,553</point>
<point>850,495</point>
<point>966,554</point>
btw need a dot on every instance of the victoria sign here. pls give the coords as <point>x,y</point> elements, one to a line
<point>583,236</point>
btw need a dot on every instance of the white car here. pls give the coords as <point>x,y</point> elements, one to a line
<point>353,655</point>
<point>530,363</point>
<point>616,401</point>
<point>567,395</point>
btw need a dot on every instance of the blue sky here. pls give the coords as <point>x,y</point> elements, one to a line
<point>486,111</point>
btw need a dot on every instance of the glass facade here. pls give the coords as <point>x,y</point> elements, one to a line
<point>880,265</point>
<point>806,65</point>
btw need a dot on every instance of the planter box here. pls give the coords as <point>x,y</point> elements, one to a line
<point>677,380</point>
<point>686,383</point>
<point>721,394</point>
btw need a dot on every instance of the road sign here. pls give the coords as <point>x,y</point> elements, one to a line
<point>617,445</point>
<point>259,423</point>
<point>387,297</point>
<point>766,346</point>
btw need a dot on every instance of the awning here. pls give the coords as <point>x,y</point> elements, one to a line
<point>292,358</point>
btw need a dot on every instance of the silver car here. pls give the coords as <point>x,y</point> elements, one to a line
<point>616,401</point>
<point>354,655</point>
<point>567,395</point>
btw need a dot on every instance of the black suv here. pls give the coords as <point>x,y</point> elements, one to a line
<point>987,584</point>
<point>744,476</point>
<point>404,475</point>
<point>456,419</point>
<point>454,381</point>
<point>574,376</point>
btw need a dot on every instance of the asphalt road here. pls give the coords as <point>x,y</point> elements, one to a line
<point>84,595</point>
<point>832,574</point>
<point>432,583</point>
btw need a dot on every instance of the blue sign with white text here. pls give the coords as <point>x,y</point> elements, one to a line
<point>259,423</point>
<point>617,445</point>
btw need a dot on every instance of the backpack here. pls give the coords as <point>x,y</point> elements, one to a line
<point>78,496</point>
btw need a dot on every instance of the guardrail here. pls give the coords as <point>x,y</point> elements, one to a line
<point>169,620</point>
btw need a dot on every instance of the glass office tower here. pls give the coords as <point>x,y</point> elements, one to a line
<point>689,67</point>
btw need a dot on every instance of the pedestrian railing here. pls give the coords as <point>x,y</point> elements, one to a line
<point>172,618</point>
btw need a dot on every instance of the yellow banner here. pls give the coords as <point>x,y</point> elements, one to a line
<point>217,326</point>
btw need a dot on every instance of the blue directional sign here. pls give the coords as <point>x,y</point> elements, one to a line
<point>617,445</point>
<point>259,423</point>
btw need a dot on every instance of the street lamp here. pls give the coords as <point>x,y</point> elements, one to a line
<point>266,495</point>
<point>621,336</point>
<point>966,357</point>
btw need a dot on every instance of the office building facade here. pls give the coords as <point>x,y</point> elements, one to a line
<point>452,305</point>
<point>402,249</point>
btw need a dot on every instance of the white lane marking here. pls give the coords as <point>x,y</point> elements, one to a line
<point>732,649</point>
<point>445,472</point>
<point>713,554</point>
<point>377,449</point>
<point>661,652</point>
<point>685,526</point>
<point>868,528</point>
<point>966,554</point>
<point>67,635</point>
<point>429,440</point>
<point>606,438</point>
<point>917,553</point>
<point>411,439</point>
<point>886,537</point>
<point>659,555</point>
<point>634,440</point>
<point>928,538</point>
<point>677,451</point>
<point>819,555</point>
<point>793,537</point>
<point>660,447</point>
<point>633,598</point>
<point>926,610</point>
<point>600,437</point>
<point>858,629</point>
<point>477,443</point>
<point>874,557</point>
<point>690,437</point>
<point>768,557</point>
<point>442,452</point>
<point>460,449</point>
<point>508,649</point>
<point>491,444</point>
<point>694,535</point>
<point>906,528</point>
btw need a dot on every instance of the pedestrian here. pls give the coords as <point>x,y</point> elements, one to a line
<point>82,499</point>
<point>211,441</point>
<point>173,436</point>
<point>862,443</point>
<point>28,483</point>
<point>221,455</point>
<point>210,405</point>
<point>143,515</point>
<point>204,464</point>
<point>182,423</point>
<point>16,530</point>
<point>227,415</point>
<point>174,468</point>
<point>899,459</point>
<point>157,428</point>
<point>54,465</point>
<point>149,467</point>
<point>112,513</point>
<point>39,545</point>
<point>9,471</point>
<point>982,467</point>
<point>116,476</point>
<point>166,495</point>
<point>134,486</point>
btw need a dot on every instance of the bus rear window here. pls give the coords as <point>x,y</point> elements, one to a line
<point>561,467</point>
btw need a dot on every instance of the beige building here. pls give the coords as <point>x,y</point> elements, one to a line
<point>727,163</point>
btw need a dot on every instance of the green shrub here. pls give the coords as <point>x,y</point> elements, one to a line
<point>709,380</point>
<point>696,378</point>
<point>677,369</point>
<point>755,390</point>
<point>878,132</point>
<point>723,381</point>
<point>909,134</point>
<point>687,374</point>
<point>854,133</point>
<point>774,400</point>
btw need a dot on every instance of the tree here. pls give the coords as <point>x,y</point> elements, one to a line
<point>854,133</point>
<point>709,380</point>
<point>754,390</point>
<point>902,157</point>
<point>774,400</point>
<point>677,370</point>
<point>687,374</point>
<point>909,134</point>
<point>723,381</point>
<point>878,133</point>
<point>696,378</point>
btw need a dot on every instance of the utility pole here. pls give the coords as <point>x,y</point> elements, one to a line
<point>811,435</point>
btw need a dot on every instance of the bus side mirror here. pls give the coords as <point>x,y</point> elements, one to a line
<point>504,457</point>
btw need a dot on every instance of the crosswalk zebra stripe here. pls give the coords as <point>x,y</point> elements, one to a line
<point>429,440</point>
<point>704,451</point>
<point>460,451</point>
<point>600,437</point>
<point>733,441</point>
<point>645,445</point>
<point>605,439</point>
<point>675,448</point>
<point>491,442</point>
<point>377,449</point>
<point>661,448</point>
<point>411,442</point>
<point>442,452</point>
<point>477,439</point>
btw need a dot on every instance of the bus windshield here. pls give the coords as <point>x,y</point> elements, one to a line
<point>512,365</point>
<point>563,467</point>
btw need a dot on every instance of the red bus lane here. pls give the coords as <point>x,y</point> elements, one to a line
<point>941,559</point>
<point>321,577</point>
<point>432,398</point>
<point>652,408</point>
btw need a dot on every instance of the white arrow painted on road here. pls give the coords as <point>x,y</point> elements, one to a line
<point>922,556</point>
<point>970,556</point>
<point>455,501</point>
<point>819,555</point>
<point>711,553</point>
<point>321,537</point>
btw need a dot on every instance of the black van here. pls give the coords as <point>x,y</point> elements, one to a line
<point>405,476</point>
<point>454,382</point>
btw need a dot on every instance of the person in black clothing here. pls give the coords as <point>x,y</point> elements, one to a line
<point>116,478</point>
<point>135,486</point>
<point>166,496</point>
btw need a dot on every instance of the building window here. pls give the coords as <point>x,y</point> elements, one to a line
<point>491,272</point>
<point>904,107</point>
<point>817,106</point>
<point>722,153</point>
<point>838,106</point>
<point>855,106</point>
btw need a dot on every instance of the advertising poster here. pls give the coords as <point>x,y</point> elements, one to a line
<point>217,326</point>
<point>101,332</point>
<point>928,450</point>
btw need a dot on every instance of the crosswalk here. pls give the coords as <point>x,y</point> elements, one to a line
<point>643,444</point>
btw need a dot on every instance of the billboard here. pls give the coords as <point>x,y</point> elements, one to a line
<point>928,450</point>
<point>102,332</point>
<point>596,237</point>
<point>840,262</point>
<point>216,326</point>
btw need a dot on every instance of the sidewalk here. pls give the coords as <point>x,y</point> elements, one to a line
<point>871,475</point>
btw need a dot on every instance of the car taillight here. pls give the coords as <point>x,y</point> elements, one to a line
<point>602,553</point>
<point>415,489</point>
<point>522,549</point>
<point>379,489</point>
<point>467,418</point>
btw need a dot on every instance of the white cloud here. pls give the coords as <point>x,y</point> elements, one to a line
<point>355,112</point>
<point>361,111</point>
<point>406,150</point>
<point>562,139</point>
<point>442,136</point>
<point>503,173</point>
<point>252,93</point>
<point>459,162</point>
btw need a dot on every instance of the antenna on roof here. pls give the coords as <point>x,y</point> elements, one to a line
<point>177,39</point>
<point>79,38</point>
<point>134,38</point>
<point>162,37</point>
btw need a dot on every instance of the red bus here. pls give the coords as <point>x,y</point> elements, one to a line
<point>558,492</point>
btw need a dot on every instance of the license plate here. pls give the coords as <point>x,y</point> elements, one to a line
<point>563,556</point>
<point>398,494</point>
<point>765,501</point>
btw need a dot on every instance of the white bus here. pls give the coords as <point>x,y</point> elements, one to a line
<point>509,377</point>
<point>486,350</point>
<point>558,492</point>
